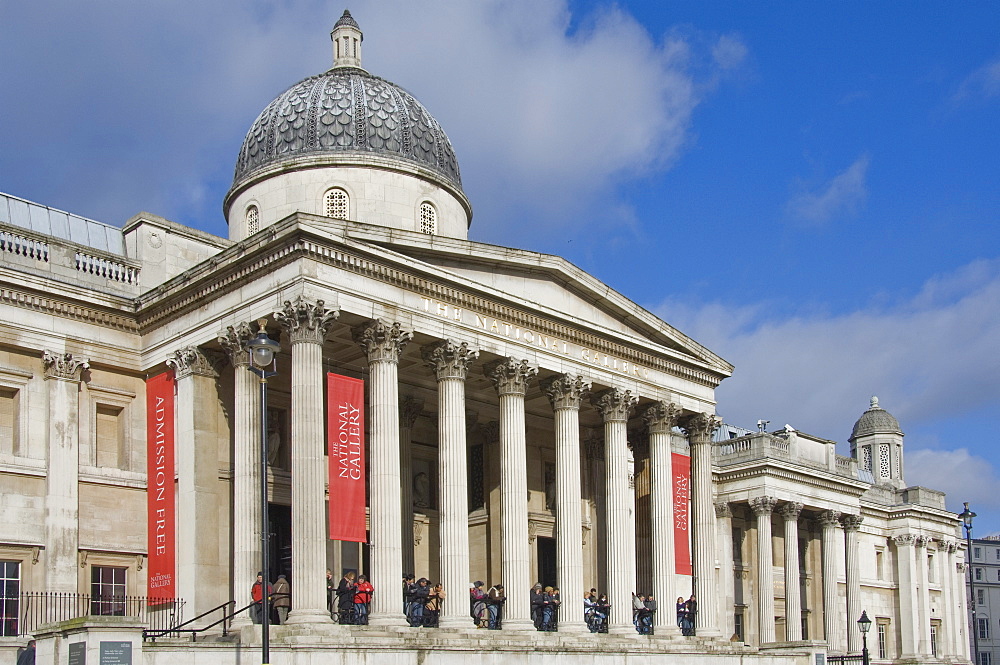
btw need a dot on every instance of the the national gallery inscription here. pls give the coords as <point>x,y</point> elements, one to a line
<point>504,329</point>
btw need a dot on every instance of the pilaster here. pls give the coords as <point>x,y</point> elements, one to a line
<point>409,410</point>
<point>790,512</point>
<point>833,617</point>
<point>908,616</point>
<point>853,577</point>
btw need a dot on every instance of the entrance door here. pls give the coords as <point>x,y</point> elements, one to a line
<point>547,561</point>
<point>280,553</point>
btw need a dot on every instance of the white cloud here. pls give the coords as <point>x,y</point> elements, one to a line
<point>844,194</point>
<point>984,83</point>
<point>961,474</point>
<point>929,359</point>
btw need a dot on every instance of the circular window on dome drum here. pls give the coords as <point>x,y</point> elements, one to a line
<point>252,220</point>
<point>336,204</point>
<point>428,218</point>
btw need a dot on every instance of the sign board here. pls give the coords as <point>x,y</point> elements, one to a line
<point>346,438</point>
<point>77,653</point>
<point>116,653</point>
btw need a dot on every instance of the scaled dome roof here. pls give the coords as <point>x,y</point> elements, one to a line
<point>346,115</point>
<point>875,420</point>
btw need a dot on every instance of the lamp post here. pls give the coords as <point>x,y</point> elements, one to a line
<point>966,517</point>
<point>262,352</point>
<point>865,624</point>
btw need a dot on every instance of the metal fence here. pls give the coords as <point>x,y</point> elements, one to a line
<point>34,609</point>
<point>857,658</point>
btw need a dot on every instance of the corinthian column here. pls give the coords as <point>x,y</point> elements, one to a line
<point>923,598</point>
<point>660,418</point>
<point>306,324</point>
<point>853,577</point>
<point>908,615</point>
<point>450,362</point>
<point>793,599</point>
<point>198,526</point>
<point>246,467</point>
<point>383,343</point>
<point>409,410</point>
<point>564,393</point>
<point>511,378</point>
<point>762,507</point>
<point>699,429</point>
<point>832,618</point>
<point>63,374</point>
<point>615,405</point>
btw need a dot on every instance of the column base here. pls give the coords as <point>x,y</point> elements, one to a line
<point>517,625</point>
<point>308,616</point>
<point>240,620</point>
<point>573,628</point>
<point>668,630</point>
<point>459,622</point>
<point>622,629</point>
<point>387,620</point>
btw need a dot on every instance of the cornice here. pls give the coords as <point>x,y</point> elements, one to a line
<point>227,271</point>
<point>28,299</point>
<point>853,488</point>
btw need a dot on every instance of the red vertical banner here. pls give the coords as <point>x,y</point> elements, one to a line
<point>160,506</point>
<point>682,512</point>
<point>346,441</point>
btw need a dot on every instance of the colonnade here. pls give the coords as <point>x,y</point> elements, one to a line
<point>306,322</point>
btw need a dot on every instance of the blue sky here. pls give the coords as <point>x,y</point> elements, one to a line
<point>810,189</point>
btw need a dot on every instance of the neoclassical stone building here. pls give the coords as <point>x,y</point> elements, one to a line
<point>524,421</point>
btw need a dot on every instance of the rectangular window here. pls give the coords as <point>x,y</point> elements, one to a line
<point>979,574</point>
<point>109,436</point>
<point>980,597</point>
<point>998,555</point>
<point>984,628</point>
<point>10,593</point>
<point>882,646</point>
<point>985,658</point>
<point>976,552</point>
<point>931,577</point>
<point>879,563</point>
<point>738,622</point>
<point>107,591</point>
<point>805,628</point>
<point>9,415</point>
<point>737,544</point>
<point>934,633</point>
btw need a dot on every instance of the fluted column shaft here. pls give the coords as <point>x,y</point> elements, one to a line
<point>409,410</point>
<point>450,362</point>
<point>908,619</point>
<point>306,324</point>
<point>699,428</point>
<point>923,597</point>
<point>832,618</point>
<point>853,577</point>
<point>615,406</point>
<point>63,374</point>
<point>383,344</point>
<point>727,582</point>
<point>762,507</point>
<point>511,378</point>
<point>564,393</point>
<point>246,467</point>
<point>793,600</point>
<point>660,418</point>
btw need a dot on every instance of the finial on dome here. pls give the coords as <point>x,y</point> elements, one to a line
<point>346,36</point>
<point>873,404</point>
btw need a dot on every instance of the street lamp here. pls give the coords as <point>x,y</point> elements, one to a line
<point>966,517</point>
<point>263,364</point>
<point>865,624</point>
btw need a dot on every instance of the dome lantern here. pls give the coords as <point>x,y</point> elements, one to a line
<point>346,36</point>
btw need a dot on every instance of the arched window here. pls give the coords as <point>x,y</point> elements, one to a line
<point>428,218</point>
<point>336,204</point>
<point>253,220</point>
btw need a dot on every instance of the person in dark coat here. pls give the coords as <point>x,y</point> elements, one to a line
<point>282,598</point>
<point>345,597</point>
<point>27,655</point>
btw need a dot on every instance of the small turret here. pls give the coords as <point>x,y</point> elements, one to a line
<point>346,36</point>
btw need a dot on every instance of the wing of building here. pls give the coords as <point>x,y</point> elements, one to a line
<point>524,422</point>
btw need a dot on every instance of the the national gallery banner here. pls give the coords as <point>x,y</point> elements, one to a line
<point>682,501</point>
<point>161,516</point>
<point>346,432</point>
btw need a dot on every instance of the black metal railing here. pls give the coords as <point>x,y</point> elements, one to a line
<point>226,610</point>
<point>35,608</point>
<point>856,658</point>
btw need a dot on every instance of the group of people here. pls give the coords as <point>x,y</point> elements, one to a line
<point>349,601</point>
<point>686,611</point>
<point>279,596</point>
<point>422,601</point>
<point>545,607</point>
<point>643,609</point>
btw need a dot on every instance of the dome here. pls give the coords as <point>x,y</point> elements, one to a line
<point>875,420</point>
<point>346,116</point>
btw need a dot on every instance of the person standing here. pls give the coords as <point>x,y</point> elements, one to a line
<point>331,589</point>
<point>690,610</point>
<point>27,655</point>
<point>495,599</point>
<point>433,608</point>
<point>419,598</point>
<point>282,598</point>
<point>257,593</point>
<point>345,597</point>
<point>362,600</point>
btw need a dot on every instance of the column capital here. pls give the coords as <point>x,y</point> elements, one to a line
<point>565,391</point>
<point>234,342</point>
<point>949,546</point>
<point>381,342</point>
<point>700,427</point>
<point>723,509</point>
<point>192,361</point>
<point>791,510</point>
<point>410,409</point>
<point>829,518</point>
<point>904,539</point>
<point>763,505</point>
<point>305,320</point>
<point>922,541</point>
<point>851,522</point>
<point>660,417</point>
<point>615,404</point>
<point>510,376</point>
<point>449,360</point>
<point>63,366</point>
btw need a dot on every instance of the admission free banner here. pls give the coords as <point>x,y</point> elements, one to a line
<point>346,437</point>
<point>682,511</point>
<point>161,517</point>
